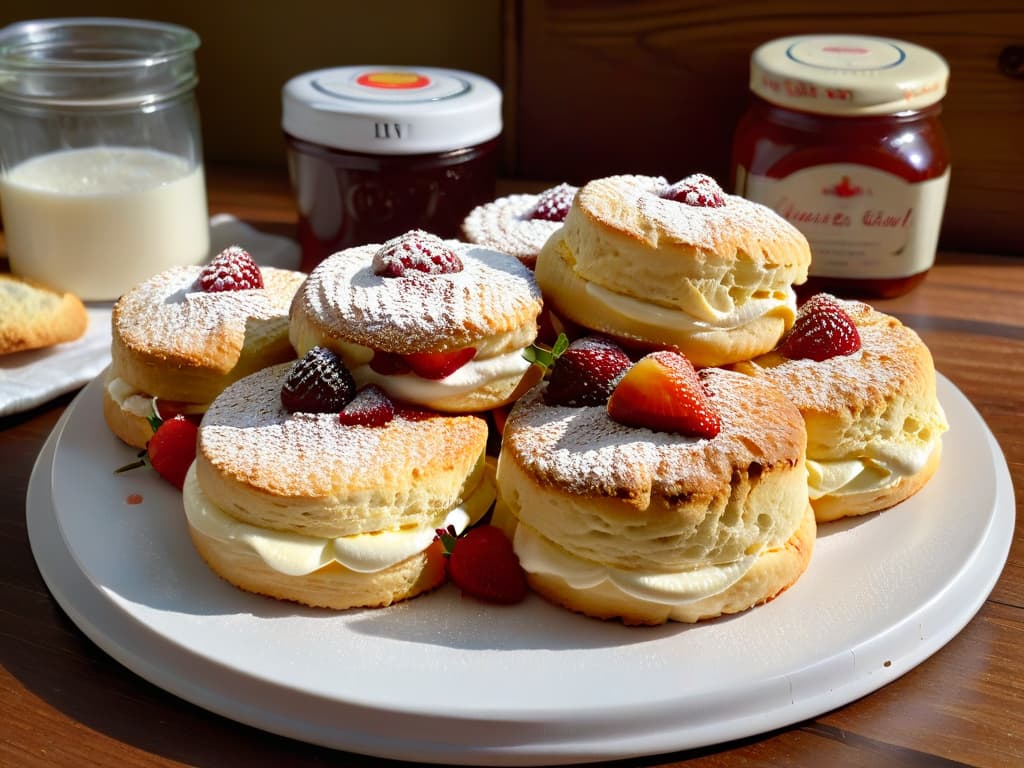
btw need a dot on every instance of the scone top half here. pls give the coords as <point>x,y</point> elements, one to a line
<point>309,474</point>
<point>174,342</point>
<point>716,282</point>
<point>485,314</point>
<point>874,421</point>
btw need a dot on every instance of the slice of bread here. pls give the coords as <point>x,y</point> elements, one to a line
<point>34,316</point>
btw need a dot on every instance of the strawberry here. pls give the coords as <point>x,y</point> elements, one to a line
<point>822,330</point>
<point>370,408</point>
<point>439,365</point>
<point>482,563</point>
<point>698,189</point>
<point>416,250</point>
<point>233,269</point>
<point>554,204</point>
<point>171,450</point>
<point>318,383</point>
<point>663,392</point>
<point>388,363</point>
<point>586,372</point>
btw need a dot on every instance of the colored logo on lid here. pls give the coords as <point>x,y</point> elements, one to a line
<point>393,80</point>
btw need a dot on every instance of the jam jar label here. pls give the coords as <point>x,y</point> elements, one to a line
<point>861,222</point>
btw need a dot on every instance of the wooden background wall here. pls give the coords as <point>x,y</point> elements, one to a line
<point>594,87</point>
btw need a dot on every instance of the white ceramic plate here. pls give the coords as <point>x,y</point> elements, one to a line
<point>446,679</point>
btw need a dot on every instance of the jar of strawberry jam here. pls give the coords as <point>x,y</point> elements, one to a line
<point>843,139</point>
<point>376,151</point>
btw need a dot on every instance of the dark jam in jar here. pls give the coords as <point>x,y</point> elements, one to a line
<point>374,152</point>
<point>843,139</point>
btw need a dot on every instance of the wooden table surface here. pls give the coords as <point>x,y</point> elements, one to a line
<point>63,702</point>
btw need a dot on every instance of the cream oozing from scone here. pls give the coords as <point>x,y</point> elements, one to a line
<point>879,467</point>
<point>539,555</point>
<point>295,554</point>
<point>137,403</point>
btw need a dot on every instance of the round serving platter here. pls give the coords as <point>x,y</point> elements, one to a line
<point>446,679</point>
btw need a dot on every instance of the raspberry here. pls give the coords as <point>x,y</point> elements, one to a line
<point>415,250</point>
<point>370,408</point>
<point>318,383</point>
<point>233,269</point>
<point>698,189</point>
<point>554,204</point>
<point>822,330</point>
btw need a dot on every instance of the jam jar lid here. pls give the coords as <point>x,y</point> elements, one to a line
<point>847,75</point>
<point>392,110</point>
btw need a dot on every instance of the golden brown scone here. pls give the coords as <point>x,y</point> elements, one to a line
<point>173,342</point>
<point>716,283</point>
<point>33,316</point>
<point>487,310</point>
<point>299,506</point>
<point>874,422</point>
<point>622,522</point>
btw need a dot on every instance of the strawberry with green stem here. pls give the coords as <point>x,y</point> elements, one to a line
<point>482,563</point>
<point>170,451</point>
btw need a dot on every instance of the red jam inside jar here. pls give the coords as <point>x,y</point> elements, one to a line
<point>861,171</point>
<point>375,152</point>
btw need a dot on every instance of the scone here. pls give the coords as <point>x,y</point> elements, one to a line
<point>441,324</point>
<point>865,384</point>
<point>617,520</point>
<point>183,335</point>
<point>681,266</point>
<point>519,224</point>
<point>33,316</point>
<point>301,506</point>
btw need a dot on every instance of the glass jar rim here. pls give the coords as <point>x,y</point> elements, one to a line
<point>95,61</point>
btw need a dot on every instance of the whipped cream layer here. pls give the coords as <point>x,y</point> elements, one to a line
<point>883,467</point>
<point>538,555</point>
<point>297,555</point>
<point>142,405</point>
<point>780,303</point>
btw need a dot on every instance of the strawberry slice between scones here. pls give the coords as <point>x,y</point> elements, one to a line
<point>664,393</point>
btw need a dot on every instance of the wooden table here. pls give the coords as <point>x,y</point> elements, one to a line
<point>63,702</point>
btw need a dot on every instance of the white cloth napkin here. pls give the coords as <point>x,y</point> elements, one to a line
<point>28,379</point>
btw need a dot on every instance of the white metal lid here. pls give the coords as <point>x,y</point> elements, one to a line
<point>391,110</point>
<point>847,74</point>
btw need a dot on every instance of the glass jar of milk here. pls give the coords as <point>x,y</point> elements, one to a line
<point>101,173</point>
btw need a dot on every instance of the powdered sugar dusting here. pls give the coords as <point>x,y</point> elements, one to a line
<point>493,294</point>
<point>171,314</point>
<point>634,203</point>
<point>889,360</point>
<point>583,451</point>
<point>505,225</point>
<point>247,434</point>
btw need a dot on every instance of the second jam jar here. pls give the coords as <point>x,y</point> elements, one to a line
<point>843,139</point>
<point>376,151</point>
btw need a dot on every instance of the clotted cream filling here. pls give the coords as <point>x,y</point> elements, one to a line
<point>882,467</point>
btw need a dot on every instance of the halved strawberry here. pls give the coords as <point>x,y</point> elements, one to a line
<point>439,365</point>
<point>388,363</point>
<point>664,393</point>
<point>482,563</point>
<point>371,407</point>
<point>822,330</point>
<point>170,451</point>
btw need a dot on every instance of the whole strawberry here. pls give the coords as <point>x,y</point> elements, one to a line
<point>233,269</point>
<point>664,393</point>
<point>170,451</point>
<point>482,563</point>
<point>822,330</point>
<point>586,372</point>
